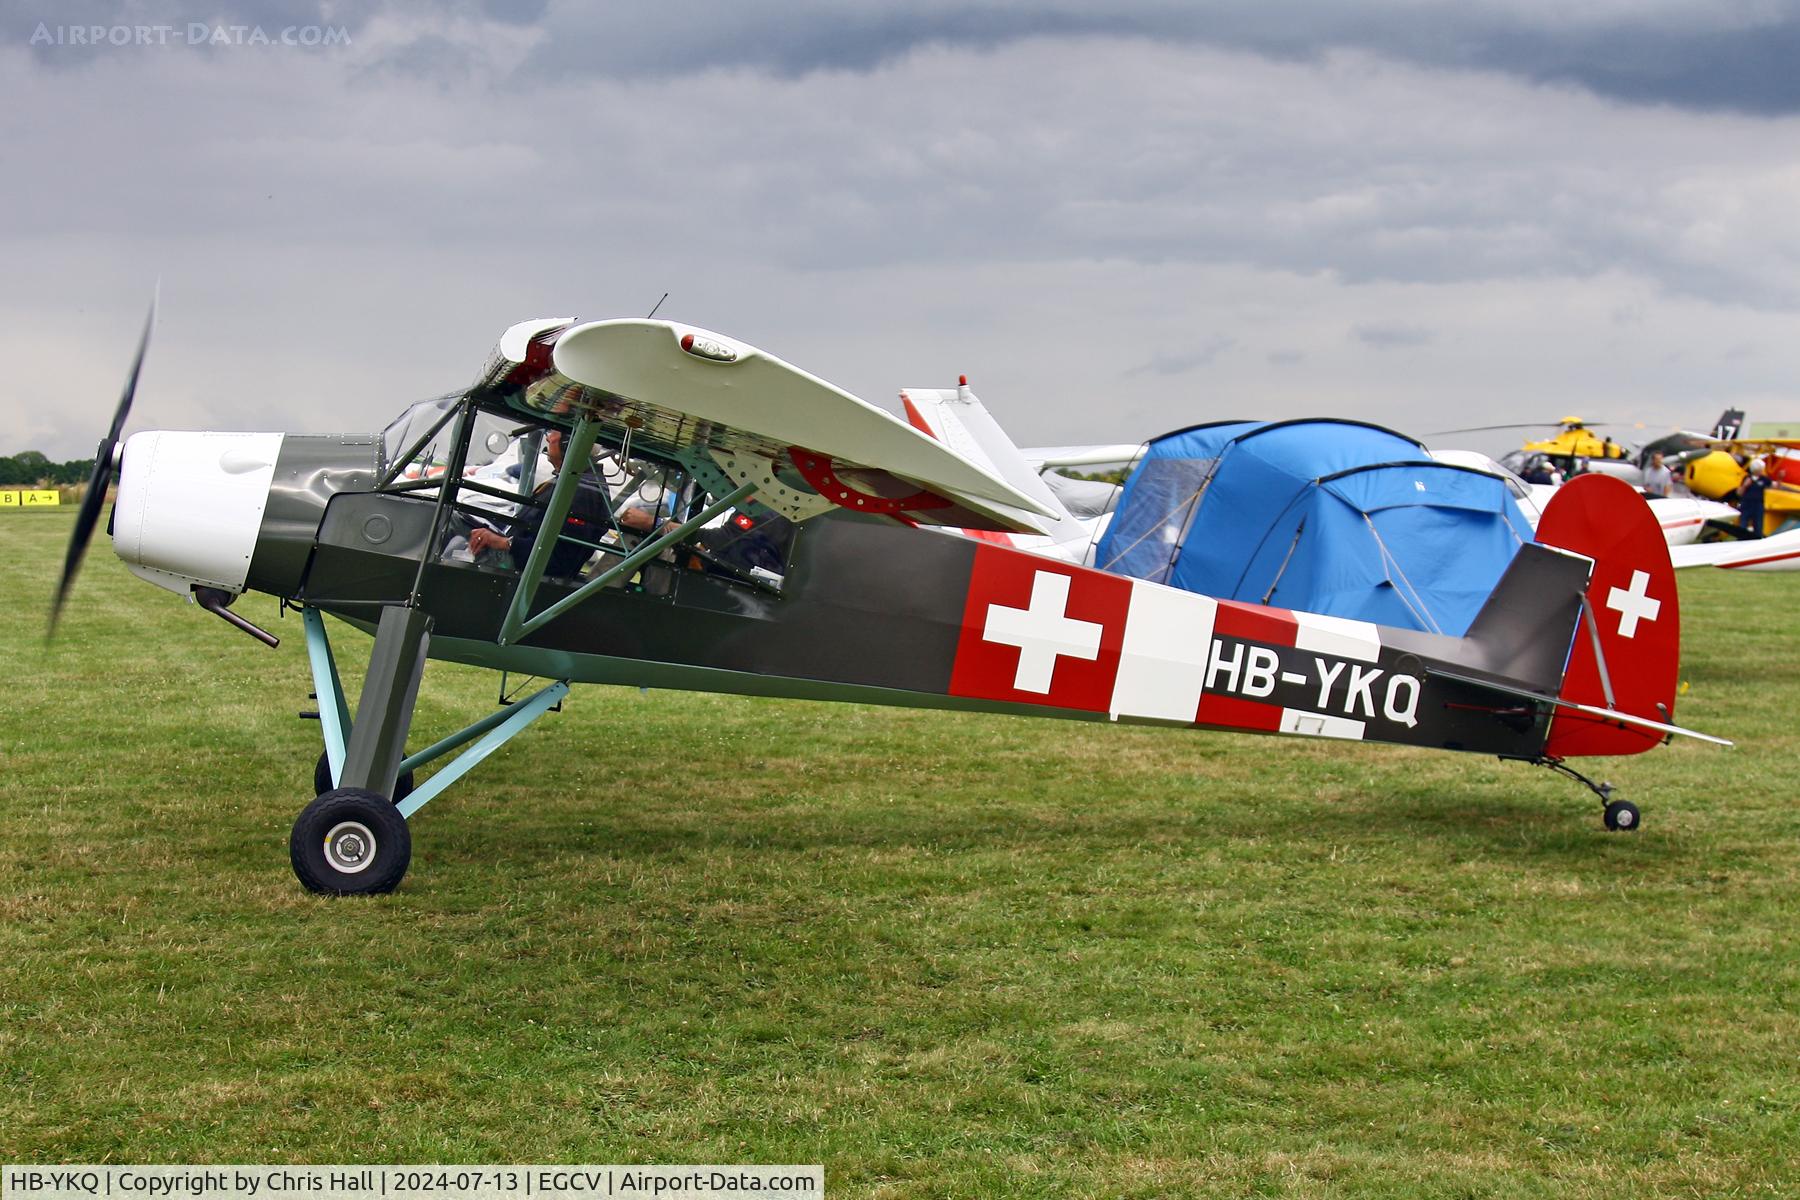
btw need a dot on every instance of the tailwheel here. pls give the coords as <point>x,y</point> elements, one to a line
<point>1621,816</point>
<point>350,842</point>
<point>322,779</point>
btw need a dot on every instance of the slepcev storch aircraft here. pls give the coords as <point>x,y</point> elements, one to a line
<point>740,526</point>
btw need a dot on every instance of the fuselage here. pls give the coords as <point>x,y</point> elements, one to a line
<point>868,610</point>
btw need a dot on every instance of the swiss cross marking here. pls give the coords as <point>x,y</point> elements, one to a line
<point>1633,604</point>
<point>1043,632</point>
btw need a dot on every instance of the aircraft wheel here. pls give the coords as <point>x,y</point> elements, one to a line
<point>322,779</point>
<point>1621,816</point>
<point>349,842</point>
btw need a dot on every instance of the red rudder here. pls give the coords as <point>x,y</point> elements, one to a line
<point>1633,612</point>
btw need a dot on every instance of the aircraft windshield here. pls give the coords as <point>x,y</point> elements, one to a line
<point>434,421</point>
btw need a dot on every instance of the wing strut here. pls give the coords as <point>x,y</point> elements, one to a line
<point>556,511</point>
<point>517,625</point>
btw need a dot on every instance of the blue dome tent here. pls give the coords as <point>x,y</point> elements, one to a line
<point>1322,515</point>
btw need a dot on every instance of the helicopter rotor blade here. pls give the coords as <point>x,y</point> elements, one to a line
<point>1528,425</point>
<point>95,497</point>
<point>1493,428</point>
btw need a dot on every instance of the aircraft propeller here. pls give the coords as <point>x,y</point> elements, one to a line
<point>89,515</point>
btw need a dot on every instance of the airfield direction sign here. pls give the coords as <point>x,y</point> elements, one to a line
<point>30,498</point>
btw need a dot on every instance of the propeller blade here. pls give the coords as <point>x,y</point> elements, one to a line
<point>89,515</point>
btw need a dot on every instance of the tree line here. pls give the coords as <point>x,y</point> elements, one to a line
<point>33,469</point>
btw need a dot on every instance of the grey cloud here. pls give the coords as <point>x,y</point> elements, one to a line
<point>1182,361</point>
<point>342,232</point>
<point>1701,54</point>
<point>1709,56</point>
<point>515,12</point>
<point>1392,337</point>
<point>431,58</point>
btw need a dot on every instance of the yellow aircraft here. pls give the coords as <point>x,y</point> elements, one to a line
<point>1718,474</point>
<point>1576,440</point>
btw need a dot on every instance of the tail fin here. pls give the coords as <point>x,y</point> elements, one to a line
<point>958,419</point>
<point>1627,650</point>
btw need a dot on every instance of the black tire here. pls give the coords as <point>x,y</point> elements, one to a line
<point>349,842</point>
<point>322,779</point>
<point>1622,816</point>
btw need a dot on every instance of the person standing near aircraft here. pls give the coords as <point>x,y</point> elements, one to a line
<point>1658,479</point>
<point>1750,495</point>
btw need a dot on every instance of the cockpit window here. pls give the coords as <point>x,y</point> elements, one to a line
<point>407,428</point>
<point>748,542</point>
<point>622,501</point>
<point>435,421</point>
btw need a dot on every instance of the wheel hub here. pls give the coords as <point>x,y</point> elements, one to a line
<point>349,847</point>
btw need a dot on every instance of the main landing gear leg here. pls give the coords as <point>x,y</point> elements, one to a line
<point>352,839</point>
<point>1621,816</point>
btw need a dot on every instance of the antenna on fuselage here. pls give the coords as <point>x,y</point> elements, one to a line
<point>656,306</point>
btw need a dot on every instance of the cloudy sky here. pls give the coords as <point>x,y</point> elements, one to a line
<point>1116,219</point>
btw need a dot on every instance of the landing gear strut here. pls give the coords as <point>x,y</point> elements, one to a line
<point>322,783</point>
<point>353,838</point>
<point>1621,816</point>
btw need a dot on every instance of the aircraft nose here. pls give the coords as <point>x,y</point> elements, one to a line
<point>190,505</point>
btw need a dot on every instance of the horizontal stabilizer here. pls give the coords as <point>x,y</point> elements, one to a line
<point>1523,630</point>
<point>1589,710</point>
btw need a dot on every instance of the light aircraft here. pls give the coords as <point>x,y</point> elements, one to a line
<point>1574,655</point>
<point>1718,473</point>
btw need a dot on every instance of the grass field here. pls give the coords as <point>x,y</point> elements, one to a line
<point>943,955</point>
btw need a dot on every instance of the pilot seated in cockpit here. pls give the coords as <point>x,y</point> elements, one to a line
<point>586,522</point>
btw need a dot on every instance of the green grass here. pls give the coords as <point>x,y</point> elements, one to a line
<point>943,955</point>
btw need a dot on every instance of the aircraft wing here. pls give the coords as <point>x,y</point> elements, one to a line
<point>1752,443</point>
<point>695,394</point>
<point>1044,458</point>
<point>1778,553</point>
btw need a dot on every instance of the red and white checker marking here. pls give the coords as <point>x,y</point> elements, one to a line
<point>1041,632</point>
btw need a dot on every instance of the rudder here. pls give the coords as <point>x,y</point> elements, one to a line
<point>1628,641</point>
